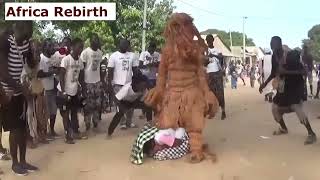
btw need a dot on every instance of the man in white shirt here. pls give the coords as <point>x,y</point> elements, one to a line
<point>130,96</point>
<point>47,72</point>
<point>240,71</point>
<point>63,51</point>
<point>149,63</point>
<point>71,74</point>
<point>121,67</point>
<point>215,71</point>
<point>94,79</point>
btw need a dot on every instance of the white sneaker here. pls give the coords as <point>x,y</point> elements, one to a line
<point>132,125</point>
<point>123,127</point>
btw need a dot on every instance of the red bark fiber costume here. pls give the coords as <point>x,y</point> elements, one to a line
<point>182,96</point>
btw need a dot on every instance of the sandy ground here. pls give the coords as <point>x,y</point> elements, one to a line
<point>244,145</point>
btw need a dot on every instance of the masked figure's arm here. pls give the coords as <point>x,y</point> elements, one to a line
<point>155,94</point>
<point>212,104</point>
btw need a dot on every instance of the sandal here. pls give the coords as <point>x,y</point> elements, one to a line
<point>280,131</point>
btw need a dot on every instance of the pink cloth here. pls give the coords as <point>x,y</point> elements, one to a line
<point>167,140</point>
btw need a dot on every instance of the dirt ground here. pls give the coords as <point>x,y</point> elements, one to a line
<point>244,145</point>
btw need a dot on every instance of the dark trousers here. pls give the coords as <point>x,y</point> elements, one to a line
<point>13,116</point>
<point>124,107</point>
<point>69,111</point>
<point>252,82</point>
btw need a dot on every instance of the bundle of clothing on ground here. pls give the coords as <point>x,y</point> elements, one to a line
<point>165,144</point>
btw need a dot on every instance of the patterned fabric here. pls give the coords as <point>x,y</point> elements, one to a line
<point>17,56</point>
<point>42,116</point>
<point>173,152</point>
<point>106,103</point>
<point>93,103</point>
<point>146,134</point>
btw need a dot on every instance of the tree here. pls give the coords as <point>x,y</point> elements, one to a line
<point>237,38</point>
<point>128,24</point>
<point>313,43</point>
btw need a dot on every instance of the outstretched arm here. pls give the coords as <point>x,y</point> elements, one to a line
<point>153,97</point>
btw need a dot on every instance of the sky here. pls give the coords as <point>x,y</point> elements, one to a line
<point>289,19</point>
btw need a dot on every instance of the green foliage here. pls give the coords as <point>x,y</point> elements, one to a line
<point>2,22</point>
<point>128,24</point>
<point>237,37</point>
<point>313,43</point>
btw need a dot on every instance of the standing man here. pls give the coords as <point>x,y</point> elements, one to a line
<point>47,71</point>
<point>15,52</point>
<point>121,66</point>
<point>64,50</point>
<point>308,64</point>
<point>71,75</point>
<point>149,63</point>
<point>252,75</point>
<point>94,81</point>
<point>215,71</point>
<point>240,71</point>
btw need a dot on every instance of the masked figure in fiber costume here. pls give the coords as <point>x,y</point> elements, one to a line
<point>182,97</point>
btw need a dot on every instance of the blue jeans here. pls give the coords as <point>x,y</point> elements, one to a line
<point>152,83</point>
<point>234,81</point>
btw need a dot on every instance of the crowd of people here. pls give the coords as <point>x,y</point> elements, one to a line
<point>40,78</point>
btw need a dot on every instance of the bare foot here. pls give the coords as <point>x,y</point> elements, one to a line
<point>280,131</point>
<point>196,157</point>
<point>108,137</point>
<point>208,154</point>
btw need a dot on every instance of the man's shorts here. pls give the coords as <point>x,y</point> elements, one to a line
<point>51,96</point>
<point>13,114</point>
